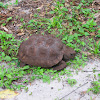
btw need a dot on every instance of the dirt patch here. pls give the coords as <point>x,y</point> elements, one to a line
<point>26,10</point>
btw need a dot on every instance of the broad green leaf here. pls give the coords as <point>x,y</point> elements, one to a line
<point>99,31</point>
<point>7,58</point>
<point>9,75</point>
<point>86,34</point>
<point>3,54</point>
<point>51,12</point>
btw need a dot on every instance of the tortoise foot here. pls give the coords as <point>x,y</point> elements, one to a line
<point>61,65</point>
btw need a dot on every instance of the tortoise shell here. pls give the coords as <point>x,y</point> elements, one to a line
<point>41,50</point>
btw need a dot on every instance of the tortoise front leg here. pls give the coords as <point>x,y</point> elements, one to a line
<point>61,65</point>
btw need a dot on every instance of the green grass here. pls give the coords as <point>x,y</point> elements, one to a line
<point>64,25</point>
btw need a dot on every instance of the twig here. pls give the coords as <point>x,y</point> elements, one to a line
<point>73,91</point>
<point>91,71</point>
<point>88,71</point>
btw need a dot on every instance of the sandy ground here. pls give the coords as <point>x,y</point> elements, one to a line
<point>62,90</point>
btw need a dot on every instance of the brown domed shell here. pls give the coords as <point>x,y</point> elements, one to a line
<point>41,50</point>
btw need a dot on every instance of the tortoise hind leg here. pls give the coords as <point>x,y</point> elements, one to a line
<point>61,65</point>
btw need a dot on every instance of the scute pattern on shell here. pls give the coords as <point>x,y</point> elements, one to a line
<point>41,50</point>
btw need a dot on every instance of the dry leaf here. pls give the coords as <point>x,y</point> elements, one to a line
<point>16,7</point>
<point>34,31</point>
<point>52,7</point>
<point>22,30</point>
<point>92,57</point>
<point>31,15</point>
<point>92,34</point>
<point>83,93</point>
<point>65,24</point>
<point>20,34</point>
<point>83,22</point>
<point>71,32</point>
<point>80,68</point>
<point>67,4</point>
<point>10,32</point>
<point>94,98</point>
<point>42,14</point>
<point>8,94</point>
<point>98,41</point>
<point>40,7</point>
<point>3,27</point>
<point>30,84</point>
<point>87,53</point>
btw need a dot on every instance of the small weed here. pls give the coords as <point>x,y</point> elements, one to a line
<point>8,19</point>
<point>30,93</point>
<point>36,15</point>
<point>96,87</point>
<point>4,57</point>
<point>16,2</point>
<point>71,82</point>
<point>22,19</point>
<point>26,89</point>
<point>4,23</point>
<point>3,5</point>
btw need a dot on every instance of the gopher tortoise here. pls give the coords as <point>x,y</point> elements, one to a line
<point>45,51</point>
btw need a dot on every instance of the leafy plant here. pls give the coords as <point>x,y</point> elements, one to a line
<point>22,19</point>
<point>8,19</point>
<point>95,87</point>
<point>71,82</point>
<point>3,5</point>
<point>8,75</point>
<point>8,43</point>
<point>4,57</point>
<point>16,2</point>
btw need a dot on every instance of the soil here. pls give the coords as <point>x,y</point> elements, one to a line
<point>26,10</point>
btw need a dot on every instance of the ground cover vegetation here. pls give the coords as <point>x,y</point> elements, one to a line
<point>74,23</point>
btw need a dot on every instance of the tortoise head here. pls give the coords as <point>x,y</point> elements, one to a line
<point>69,53</point>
